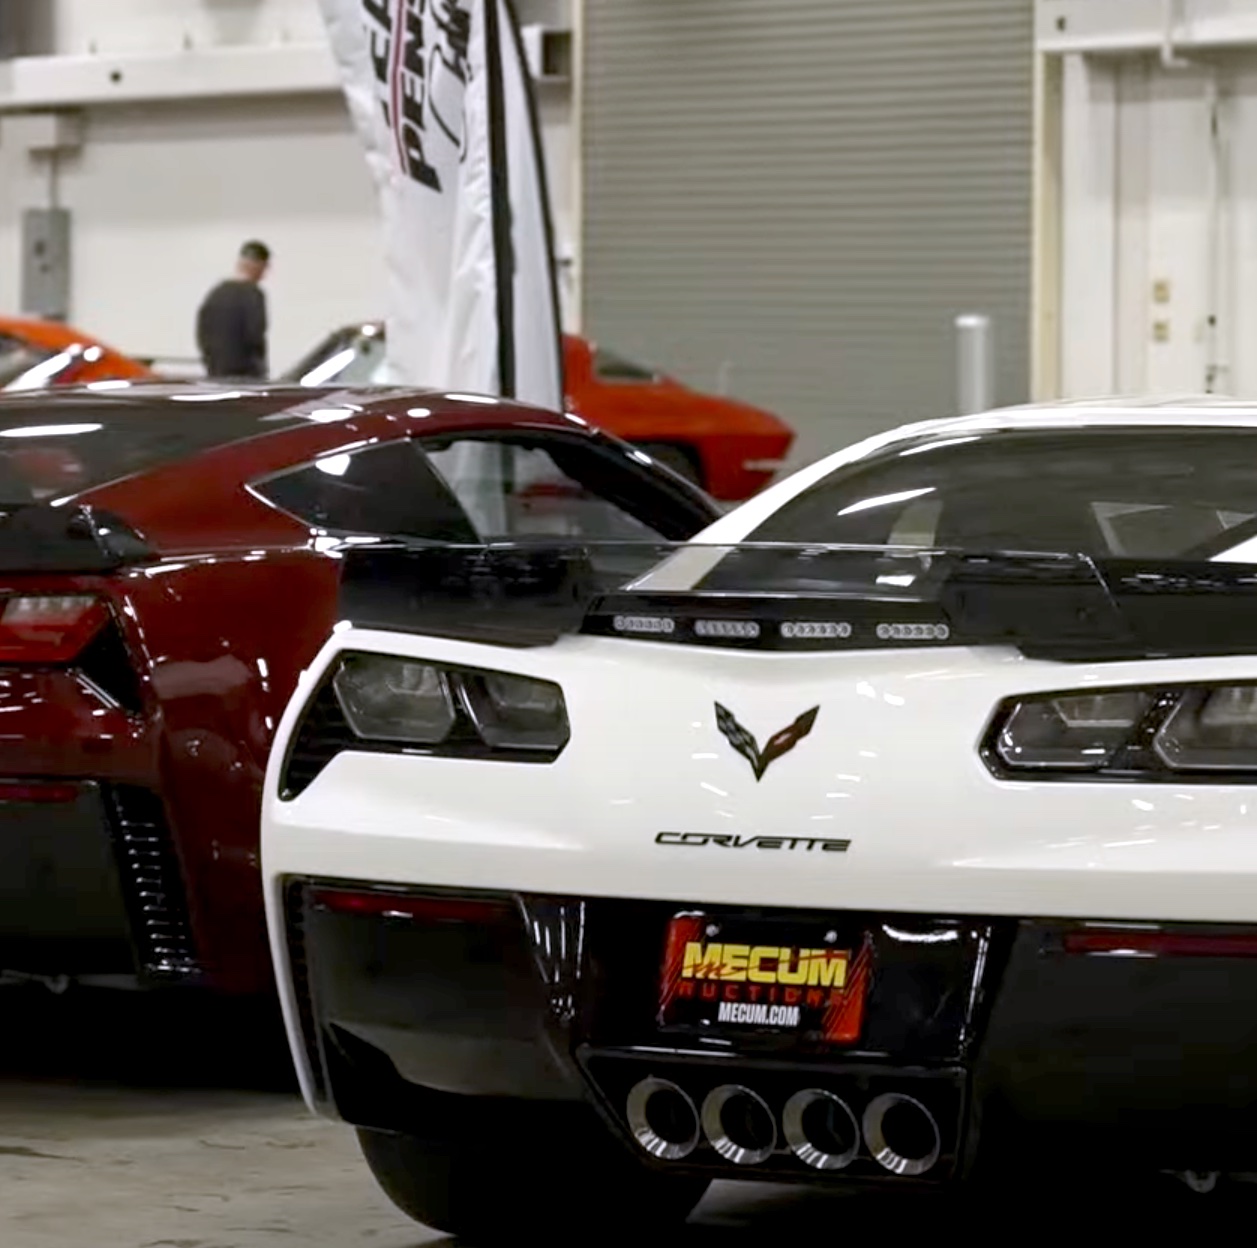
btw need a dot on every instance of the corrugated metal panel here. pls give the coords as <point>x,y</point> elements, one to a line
<point>801,196</point>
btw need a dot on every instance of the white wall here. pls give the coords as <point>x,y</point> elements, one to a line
<point>1148,171</point>
<point>70,27</point>
<point>163,194</point>
<point>161,200</point>
<point>1159,225</point>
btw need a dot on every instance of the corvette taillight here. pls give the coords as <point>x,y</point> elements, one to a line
<point>388,698</point>
<point>419,908</point>
<point>1156,732</point>
<point>49,628</point>
<point>389,704</point>
<point>1161,944</point>
<point>1079,732</point>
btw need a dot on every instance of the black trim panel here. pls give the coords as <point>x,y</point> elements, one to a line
<point>1060,607</point>
<point>1028,1049</point>
<point>1144,1061</point>
<point>152,884</point>
<point>39,538</point>
<point>62,905</point>
<point>399,1007</point>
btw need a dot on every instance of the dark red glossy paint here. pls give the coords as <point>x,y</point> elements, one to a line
<point>219,626</point>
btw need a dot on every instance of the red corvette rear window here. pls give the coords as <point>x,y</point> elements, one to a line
<point>56,447</point>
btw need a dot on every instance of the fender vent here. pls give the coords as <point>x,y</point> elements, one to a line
<point>323,734</point>
<point>152,883</point>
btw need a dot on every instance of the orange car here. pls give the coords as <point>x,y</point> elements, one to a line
<point>729,448</point>
<point>37,354</point>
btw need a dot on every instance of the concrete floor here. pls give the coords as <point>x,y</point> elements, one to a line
<point>128,1123</point>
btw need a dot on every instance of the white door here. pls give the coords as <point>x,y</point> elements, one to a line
<point>1158,226</point>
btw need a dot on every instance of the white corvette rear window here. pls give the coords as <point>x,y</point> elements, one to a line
<point>1137,493</point>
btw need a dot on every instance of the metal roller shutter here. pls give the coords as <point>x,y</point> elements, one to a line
<point>796,198</point>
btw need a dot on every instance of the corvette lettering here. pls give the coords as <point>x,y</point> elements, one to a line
<point>728,840</point>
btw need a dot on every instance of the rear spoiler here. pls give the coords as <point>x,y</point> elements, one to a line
<point>504,595</point>
<point>41,538</point>
<point>1062,607</point>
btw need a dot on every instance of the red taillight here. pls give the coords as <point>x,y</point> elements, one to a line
<point>37,791</point>
<point>1146,944</point>
<point>49,628</point>
<point>478,910</point>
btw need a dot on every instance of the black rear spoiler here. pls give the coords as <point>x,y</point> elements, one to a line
<point>41,538</point>
<point>1063,607</point>
<point>504,595</point>
<point>1105,609</point>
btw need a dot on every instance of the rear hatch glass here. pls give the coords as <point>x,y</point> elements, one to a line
<point>56,448</point>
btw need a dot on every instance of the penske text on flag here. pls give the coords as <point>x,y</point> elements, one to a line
<point>442,100</point>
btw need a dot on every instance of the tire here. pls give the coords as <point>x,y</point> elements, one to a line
<point>682,461</point>
<point>551,1186</point>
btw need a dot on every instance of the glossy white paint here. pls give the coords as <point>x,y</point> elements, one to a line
<point>892,765</point>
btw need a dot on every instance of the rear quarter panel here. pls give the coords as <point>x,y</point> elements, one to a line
<point>225,639</point>
<point>222,624</point>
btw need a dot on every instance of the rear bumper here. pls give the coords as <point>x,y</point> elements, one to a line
<point>89,884</point>
<point>1143,1059</point>
<point>1019,1046</point>
<point>61,898</point>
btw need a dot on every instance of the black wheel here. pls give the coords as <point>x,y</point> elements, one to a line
<point>542,1186</point>
<point>681,461</point>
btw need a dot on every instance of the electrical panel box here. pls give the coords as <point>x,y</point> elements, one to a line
<point>547,53</point>
<point>46,263</point>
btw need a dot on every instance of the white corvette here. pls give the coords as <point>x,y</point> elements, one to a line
<point>899,829</point>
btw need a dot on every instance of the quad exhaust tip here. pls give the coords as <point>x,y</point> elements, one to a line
<point>820,1129</point>
<point>663,1119</point>
<point>739,1125</point>
<point>901,1134</point>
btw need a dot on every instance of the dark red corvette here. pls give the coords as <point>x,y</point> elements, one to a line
<point>168,564</point>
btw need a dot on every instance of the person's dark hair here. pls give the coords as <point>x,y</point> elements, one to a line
<point>260,253</point>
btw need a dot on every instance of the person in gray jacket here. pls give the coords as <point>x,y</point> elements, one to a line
<point>231,322</point>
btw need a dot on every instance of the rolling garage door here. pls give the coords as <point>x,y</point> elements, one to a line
<point>791,201</point>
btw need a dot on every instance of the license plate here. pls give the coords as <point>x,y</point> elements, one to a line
<point>732,978</point>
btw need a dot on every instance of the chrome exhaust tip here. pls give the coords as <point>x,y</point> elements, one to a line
<point>663,1119</point>
<point>901,1133</point>
<point>821,1129</point>
<point>739,1125</point>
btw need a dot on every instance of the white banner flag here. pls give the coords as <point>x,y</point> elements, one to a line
<point>441,97</point>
